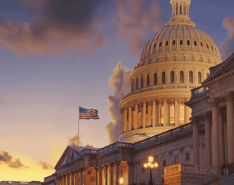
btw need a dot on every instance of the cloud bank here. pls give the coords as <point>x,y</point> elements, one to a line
<point>6,158</point>
<point>61,25</point>
<point>137,19</point>
<point>74,140</point>
<point>120,83</point>
<point>226,47</point>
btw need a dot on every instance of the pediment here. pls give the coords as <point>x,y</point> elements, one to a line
<point>70,155</point>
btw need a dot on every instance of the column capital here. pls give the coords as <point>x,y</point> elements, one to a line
<point>117,162</point>
<point>214,102</point>
<point>112,164</point>
<point>228,96</point>
<point>130,163</point>
<point>196,119</point>
<point>160,101</point>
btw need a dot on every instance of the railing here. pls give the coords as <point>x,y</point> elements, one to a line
<point>146,89</point>
<point>140,144</point>
<point>206,170</point>
<point>227,169</point>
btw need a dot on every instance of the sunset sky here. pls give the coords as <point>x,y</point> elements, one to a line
<point>57,55</point>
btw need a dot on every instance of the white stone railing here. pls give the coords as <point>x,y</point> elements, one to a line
<point>206,170</point>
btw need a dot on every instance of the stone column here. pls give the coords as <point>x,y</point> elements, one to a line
<point>96,170</point>
<point>122,122</point>
<point>154,113</point>
<point>195,141</point>
<point>208,139</point>
<point>117,172</point>
<point>165,121</point>
<point>112,175</point>
<point>176,112</point>
<point>69,179</point>
<point>149,113</point>
<point>221,137</point>
<point>136,116</point>
<point>215,133</point>
<point>106,168</point>
<point>81,177</point>
<point>230,128</point>
<point>130,118</point>
<point>125,120</point>
<point>157,113</point>
<point>100,175</point>
<point>144,112</point>
<point>130,173</point>
<point>72,178</point>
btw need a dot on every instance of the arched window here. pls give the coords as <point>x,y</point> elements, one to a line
<point>148,80</point>
<point>154,46</point>
<point>199,77</point>
<point>166,43</point>
<point>207,75</point>
<point>180,10</point>
<point>207,46</point>
<point>212,48</point>
<point>190,77</point>
<point>141,82</point>
<point>136,83</point>
<point>181,114</point>
<point>181,76</point>
<point>172,114</point>
<point>195,43</point>
<point>160,44</point>
<point>163,77</point>
<point>173,42</point>
<point>155,79</point>
<point>188,42</point>
<point>181,42</point>
<point>172,77</point>
<point>161,115</point>
<point>201,44</point>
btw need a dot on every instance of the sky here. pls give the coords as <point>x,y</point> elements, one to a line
<point>57,55</point>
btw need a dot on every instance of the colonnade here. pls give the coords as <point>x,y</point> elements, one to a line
<point>219,128</point>
<point>108,174</point>
<point>154,113</point>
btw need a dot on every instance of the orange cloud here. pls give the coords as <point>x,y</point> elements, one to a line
<point>2,101</point>
<point>8,160</point>
<point>226,48</point>
<point>137,18</point>
<point>45,165</point>
<point>120,83</point>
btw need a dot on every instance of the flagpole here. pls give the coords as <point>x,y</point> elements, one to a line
<point>78,128</point>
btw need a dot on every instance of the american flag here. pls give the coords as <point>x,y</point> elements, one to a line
<point>88,113</point>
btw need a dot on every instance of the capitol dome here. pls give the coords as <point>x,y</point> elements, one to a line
<point>174,61</point>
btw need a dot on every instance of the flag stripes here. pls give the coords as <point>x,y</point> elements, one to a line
<point>88,113</point>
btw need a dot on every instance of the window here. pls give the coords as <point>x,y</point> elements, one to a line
<point>199,77</point>
<point>166,43</point>
<point>207,46</point>
<point>147,80</point>
<point>176,159</point>
<point>201,44</point>
<point>136,83</point>
<point>154,46</point>
<point>187,157</point>
<point>164,163</point>
<point>162,115</point>
<point>163,77</point>
<point>173,42</point>
<point>212,48</point>
<point>172,114</point>
<point>195,43</point>
<point>181,114</point>
<point>181,76</point>
<point>155,79</point>
<point>190,77</point>
<point>172,76</point>
<point>184,11</point>
<point>188,42</point>
<point>180,10</point>
<point>141,82</point>
<point>181,42</point>
<point>160,44</point>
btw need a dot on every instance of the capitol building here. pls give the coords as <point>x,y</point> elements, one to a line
<point>177,122</point>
